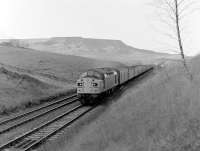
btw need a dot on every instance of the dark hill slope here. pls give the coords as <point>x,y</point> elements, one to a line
<point>27,75</point>
<point>64,67</point>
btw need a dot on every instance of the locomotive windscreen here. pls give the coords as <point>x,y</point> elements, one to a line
<point>93,74</point>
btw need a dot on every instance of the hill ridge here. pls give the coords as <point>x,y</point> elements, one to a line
<point>106,49</point>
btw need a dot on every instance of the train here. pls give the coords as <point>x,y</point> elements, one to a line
<point>98,82</point>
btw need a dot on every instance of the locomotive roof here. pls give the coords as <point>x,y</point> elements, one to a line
<point>98,73</point>
<point>103,70</point>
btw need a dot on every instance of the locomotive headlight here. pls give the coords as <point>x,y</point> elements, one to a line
<point>95,84</point>
<point>80,84</point>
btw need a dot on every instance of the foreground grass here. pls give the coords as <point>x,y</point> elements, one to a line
<point>26,103</point>
<point>161,115</point>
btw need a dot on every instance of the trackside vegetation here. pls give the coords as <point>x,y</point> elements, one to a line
<point>161,114</point>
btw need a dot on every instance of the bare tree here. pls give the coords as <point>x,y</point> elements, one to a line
<point>175,12</point>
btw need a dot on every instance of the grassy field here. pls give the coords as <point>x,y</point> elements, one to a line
<point>27,75</point>
<point>161,114</point>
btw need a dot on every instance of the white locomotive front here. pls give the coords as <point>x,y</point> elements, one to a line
<point>89,84</point>
<point>95,83</point>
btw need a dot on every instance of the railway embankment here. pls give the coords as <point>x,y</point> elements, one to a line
<point>31,103</point>
<point>162,113</point>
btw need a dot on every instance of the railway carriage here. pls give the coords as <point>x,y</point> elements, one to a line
<point>139,69</point>
<point>131,72</point>
<point>123,74</point>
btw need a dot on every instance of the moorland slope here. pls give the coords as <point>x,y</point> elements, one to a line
<point>27,74</point>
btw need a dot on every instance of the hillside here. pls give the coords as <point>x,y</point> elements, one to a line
<point>27,74</point>
<point>159,114</point>
<point>94,48</point>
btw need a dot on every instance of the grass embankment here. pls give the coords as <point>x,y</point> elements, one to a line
<point>25,103</point>
<point>163,114</point>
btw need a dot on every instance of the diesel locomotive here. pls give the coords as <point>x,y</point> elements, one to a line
<point>99,82</point>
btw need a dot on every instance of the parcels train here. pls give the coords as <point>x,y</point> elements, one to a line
<point>99,82</point>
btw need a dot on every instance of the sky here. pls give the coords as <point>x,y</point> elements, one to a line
<point>132,21</point>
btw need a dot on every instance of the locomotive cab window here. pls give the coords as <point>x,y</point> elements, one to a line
<point>93,74</point>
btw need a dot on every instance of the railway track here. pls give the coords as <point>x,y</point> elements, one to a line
<point>32,138</point>
<point>40,134</point>
<point>26,117</point>
<point>40,113</point>
<point>35,110</point>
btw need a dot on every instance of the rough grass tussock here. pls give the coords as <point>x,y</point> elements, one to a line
<point>23,78</point>
<point>34,102</point>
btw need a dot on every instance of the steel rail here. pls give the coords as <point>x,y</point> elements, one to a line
<point>43,139</point>
<point>17,139</point>
<point>35,110</point>
<point>36,116</point>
